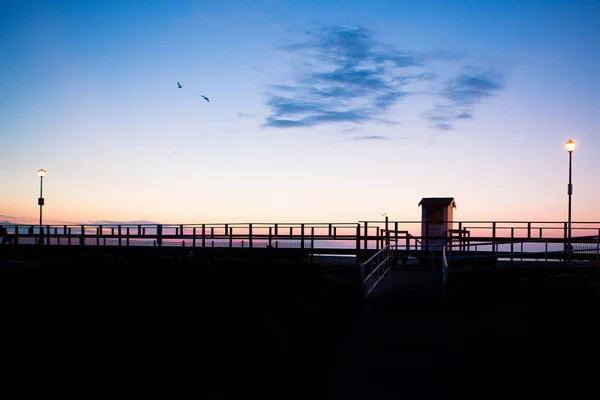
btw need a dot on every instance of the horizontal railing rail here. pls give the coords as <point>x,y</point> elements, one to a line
<point>362,235</point>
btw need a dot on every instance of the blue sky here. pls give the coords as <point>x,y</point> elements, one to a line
<point>319,111</point>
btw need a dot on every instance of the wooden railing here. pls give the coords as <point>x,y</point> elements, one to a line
<point>362,235</point>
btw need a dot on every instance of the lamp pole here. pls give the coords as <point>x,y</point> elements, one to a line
<point>41,173</point>
<point>570,147</point>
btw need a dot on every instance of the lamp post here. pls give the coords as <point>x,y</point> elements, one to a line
<point>41,173</point>
<point>570,147</point>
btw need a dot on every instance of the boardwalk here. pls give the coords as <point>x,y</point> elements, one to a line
<point>408,344</point>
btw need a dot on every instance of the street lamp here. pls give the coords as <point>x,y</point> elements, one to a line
<point>41,173</point>
<point>570,147</point>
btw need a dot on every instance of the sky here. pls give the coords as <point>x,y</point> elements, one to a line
<point>319,111</point>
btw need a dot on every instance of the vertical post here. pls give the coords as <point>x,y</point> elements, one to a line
<point>529,230</point>
<point>512,243</point>
<point>119,231</point>
<point>379,239</point>
<point>493,235</point>
<point>181,230</point>
<point>250,235</point>
<point>41,204</point>
<point>194,237</point>
<point>335,232</point>
<point>159,235</point>
<point>231,237</point>
<point>98,234</point>
<point>82,238</point>
<point>357,240</point>
<point>270,235</point>
<point>366,235</point>
<point>312,237</point>
<point>387,232</point>
<point>127,236</point>
<point>203,235</point>
<point>275,233</point>
<point>301,236</point>
<point>569,192</point>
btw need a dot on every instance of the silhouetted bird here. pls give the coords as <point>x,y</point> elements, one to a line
<point>205,98</point>
<point>179,85</point>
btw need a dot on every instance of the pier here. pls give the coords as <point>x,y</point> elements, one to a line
<point>364,309</point>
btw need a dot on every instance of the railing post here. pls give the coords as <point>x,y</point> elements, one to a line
<point>194,237</point>
<point>387,231</point>
<point>82,235</point>
<point>312,238</point>
<point>366,235</point>
<point>159,234</point>
<point>357,239</point>
<point>270,236</point>
<point>127,230</point>
<point>230,237</point>
<point>493,235</point>
<point>301,236</point>
<point>119,230</point>
<point>529,230</point>
<point>379,239</point>
<point>329,230</point>
<point>203,235</point>
<point>180,230</point>
<point>250,235</point>
<point>98,234</point>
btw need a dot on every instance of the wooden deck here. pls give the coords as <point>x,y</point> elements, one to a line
<point>523,339</point>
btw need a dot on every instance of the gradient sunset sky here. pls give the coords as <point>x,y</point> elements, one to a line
<point>333,111</point>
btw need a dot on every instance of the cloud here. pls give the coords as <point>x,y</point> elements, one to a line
<point>370,138</point>
<point>345,75</point>
<point>461,93</point>
<point>242,115</point>
<point>109,222</point>
<point>348,76</point>
<point>472,85</point>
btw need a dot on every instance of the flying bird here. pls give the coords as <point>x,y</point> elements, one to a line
<point>205,98</point>
<point>179,85</point>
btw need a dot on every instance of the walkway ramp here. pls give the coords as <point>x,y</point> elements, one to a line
<point>408,343</point>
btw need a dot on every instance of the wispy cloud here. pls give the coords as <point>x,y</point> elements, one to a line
<point>460,93</point>
<point>369,138</point>
<point>347,76</point>
<point>110,222</point>
<point>242,115</point>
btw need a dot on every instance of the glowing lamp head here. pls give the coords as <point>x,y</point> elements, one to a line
<point>41,173</point>
<point>570,146</point>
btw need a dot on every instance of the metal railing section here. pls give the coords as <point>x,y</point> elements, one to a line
<point>375,268</point>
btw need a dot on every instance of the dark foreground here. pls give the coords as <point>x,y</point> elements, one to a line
<point>178,329</point>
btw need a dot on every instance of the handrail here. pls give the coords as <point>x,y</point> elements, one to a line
<point>383,260</point>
